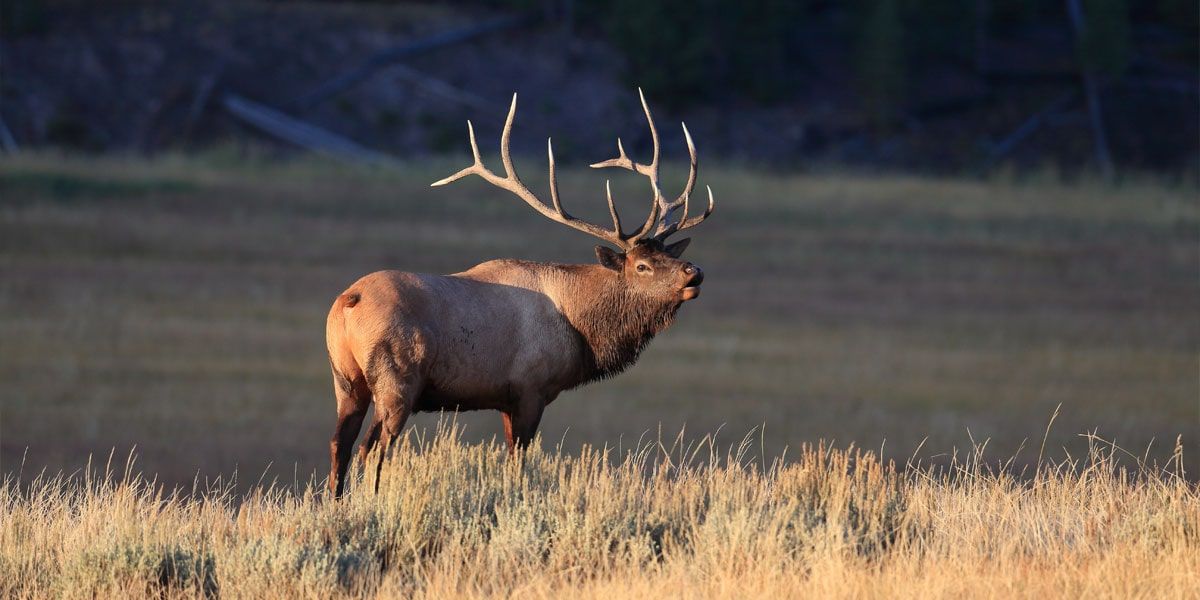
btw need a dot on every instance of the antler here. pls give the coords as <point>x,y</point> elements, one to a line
<point>555,212</point>
<point>664,226</point>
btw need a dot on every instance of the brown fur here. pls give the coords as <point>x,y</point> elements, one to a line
<point>506,335</point>
<point>616,325</point>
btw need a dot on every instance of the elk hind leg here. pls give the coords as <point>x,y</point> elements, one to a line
<point>353,399</point>
<point>372,438</point>
<point>391,422</point>
<point>395,393</point>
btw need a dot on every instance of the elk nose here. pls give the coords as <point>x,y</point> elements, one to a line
<point>690,269</point>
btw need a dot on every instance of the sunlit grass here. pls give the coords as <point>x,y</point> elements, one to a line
<point>665,518</point>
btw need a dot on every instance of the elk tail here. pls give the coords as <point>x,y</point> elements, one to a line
<point>341,361</point>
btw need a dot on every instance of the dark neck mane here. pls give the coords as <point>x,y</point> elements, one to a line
<point>614,324</point>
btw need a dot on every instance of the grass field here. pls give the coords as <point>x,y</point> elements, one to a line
<point>177,306</point>
<point>464,520</point>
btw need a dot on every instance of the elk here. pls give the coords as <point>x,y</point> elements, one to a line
<point>508,335</point>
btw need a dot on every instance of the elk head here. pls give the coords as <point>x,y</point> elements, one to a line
<point>649,266</point>
<point>655,270</point>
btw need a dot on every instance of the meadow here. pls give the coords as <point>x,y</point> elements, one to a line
<point>178,306</point>
<point>175,308</point>
<point>663,519</point>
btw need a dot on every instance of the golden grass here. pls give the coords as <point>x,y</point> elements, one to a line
<point>661,520</point>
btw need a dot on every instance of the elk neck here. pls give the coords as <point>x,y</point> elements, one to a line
<point>614,322</point>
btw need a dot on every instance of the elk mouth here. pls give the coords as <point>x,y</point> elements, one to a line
<point>692,289</point>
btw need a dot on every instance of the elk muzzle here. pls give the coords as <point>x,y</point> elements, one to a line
<point>691,289</point>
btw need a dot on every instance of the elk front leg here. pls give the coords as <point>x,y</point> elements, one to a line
<point>521,422</point>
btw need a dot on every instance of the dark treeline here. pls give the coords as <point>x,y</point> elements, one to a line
<point>695,50</point>
<point>903,60</point>
<point>958,84</point>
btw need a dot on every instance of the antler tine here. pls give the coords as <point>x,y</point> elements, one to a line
<point>650,171</point>
<point>553,179</point>
<point>513,184</point>
<point>669,208</point>
<point>622,160</point>
<point>653,167</point>
<point>612,210</point>
<point>474,168</point>
<point>505,136</point>
<point>686,223</point>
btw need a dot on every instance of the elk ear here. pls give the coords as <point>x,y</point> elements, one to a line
<point>676,249</point>
<point>610,258</point>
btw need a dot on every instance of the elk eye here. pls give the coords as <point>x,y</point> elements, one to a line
<point>642,268</point>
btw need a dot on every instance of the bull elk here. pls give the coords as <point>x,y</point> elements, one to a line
<point>508,335</point>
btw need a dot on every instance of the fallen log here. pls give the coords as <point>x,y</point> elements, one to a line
<point>1027,127</point>
<point>7,141</point>
<point>441,89</point>
<point>300,133</point>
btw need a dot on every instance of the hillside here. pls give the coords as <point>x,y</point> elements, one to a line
<point>147,77</point>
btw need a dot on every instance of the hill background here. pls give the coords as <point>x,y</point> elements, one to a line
<point>943,86</point>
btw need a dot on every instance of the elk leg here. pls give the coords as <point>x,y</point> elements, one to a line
<point>371,439</point>
<point>521,423</point>
<point>392,422</point>
<point>352,401</point>
<point>393,409</point>
<point>395,385</point>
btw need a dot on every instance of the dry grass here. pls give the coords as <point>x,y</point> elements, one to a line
<point>660,520</point>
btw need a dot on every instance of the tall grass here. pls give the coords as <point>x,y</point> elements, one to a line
<point>661,520</point>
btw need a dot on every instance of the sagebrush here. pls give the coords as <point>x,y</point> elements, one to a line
<point>678,520</point>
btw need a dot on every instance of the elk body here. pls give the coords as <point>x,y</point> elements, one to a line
<point>507,335</point>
